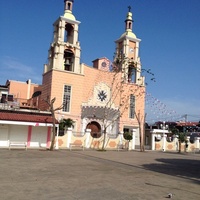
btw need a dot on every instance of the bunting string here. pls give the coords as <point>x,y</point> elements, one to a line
<point>156,110</point>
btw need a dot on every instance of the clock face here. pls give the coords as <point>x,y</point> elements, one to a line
<point>103,64</point>
<point>102,95</point>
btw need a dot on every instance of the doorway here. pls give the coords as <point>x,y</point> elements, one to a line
<point>95,129</point>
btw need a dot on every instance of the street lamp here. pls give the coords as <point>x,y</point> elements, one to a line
<point>164,127</point>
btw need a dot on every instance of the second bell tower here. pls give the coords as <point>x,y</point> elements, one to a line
<point>64,52</point>
<point>127,53</point>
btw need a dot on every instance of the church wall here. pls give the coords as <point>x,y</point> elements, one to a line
<point>46,90</point>
<point>92,78</point>
<point>60,79</point>
<point>54,83</point>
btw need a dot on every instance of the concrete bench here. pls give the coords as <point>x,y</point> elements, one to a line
<point>123,146</point>
<point>76,145</point>
<point>17,144</point>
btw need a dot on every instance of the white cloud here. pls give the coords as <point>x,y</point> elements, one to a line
<point>13,69</point>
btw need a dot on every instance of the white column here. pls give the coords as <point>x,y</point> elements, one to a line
<point>164,142</point>
<point>186,148</point>
<point>153,141</point>
<point>164,127</point>
<point>57,147</point>
<point>75,39</point>
<point>87,139</point>
<point>176,142</point>
<point>121,138</point>
<point>133,139</point>
<point>61,32</point>
<point>136,50</point>
<point>69,136</point>
<point>197,142</point>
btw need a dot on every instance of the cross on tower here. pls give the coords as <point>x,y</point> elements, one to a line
<point>129,8</point>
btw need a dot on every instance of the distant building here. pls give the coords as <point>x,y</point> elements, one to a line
<point>3,93</point>
<point>20,94</point>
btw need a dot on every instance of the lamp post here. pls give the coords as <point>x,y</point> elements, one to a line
<point>164,127</point>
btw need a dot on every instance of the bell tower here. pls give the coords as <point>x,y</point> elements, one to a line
<point>127,53</point>
<point>64,52</point>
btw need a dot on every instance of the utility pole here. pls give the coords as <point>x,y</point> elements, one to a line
<point>185,116</point>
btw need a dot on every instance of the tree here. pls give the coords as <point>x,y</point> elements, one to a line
<point>139,115</point>
<point>53,110</point>
<point>141,122</point>
<point>128,136</point>
<point>120,92</point>
<point>65,123</point>
<point>121,88</point>
<point>181,137</point>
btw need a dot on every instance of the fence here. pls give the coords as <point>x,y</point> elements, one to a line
<point>86,141</point>
<point>173,145</point>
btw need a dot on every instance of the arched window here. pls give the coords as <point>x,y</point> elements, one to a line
<point>130,25</point>
<point>95,129</point>
<point>68,33</point>
<point>69,6</point>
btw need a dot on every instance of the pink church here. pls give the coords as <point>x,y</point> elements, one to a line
<point>94,96</point>
<point>106,97</point>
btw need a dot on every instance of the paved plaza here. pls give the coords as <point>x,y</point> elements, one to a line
<point>95,175</point>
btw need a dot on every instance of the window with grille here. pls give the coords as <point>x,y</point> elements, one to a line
<point>66,98</point>
<point>132,106</point>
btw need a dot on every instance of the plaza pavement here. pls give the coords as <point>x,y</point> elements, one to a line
<point>95,175</point>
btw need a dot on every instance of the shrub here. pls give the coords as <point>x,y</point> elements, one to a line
<point>128,136</point>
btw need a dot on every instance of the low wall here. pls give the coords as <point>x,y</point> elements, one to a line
<point>174,145</point>
<point>94,143</point>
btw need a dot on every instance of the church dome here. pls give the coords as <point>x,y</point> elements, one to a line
<point>68,14</point>
<point>129,34</point>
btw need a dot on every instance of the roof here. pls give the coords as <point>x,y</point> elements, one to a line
<point>129,34</point>
<point>187,123</point>
<point>26,117</point>
<point>3,86</point>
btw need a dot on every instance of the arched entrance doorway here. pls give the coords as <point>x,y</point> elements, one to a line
<point>95,129</point>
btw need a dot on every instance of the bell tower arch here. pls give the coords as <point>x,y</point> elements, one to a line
<point>64,52</point>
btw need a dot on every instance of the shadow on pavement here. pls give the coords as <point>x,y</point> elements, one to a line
<point>183,168</point>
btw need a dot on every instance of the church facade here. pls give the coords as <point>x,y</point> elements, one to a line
<point>108,97</point>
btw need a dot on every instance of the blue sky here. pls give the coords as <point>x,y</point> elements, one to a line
<point>170,46</point>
